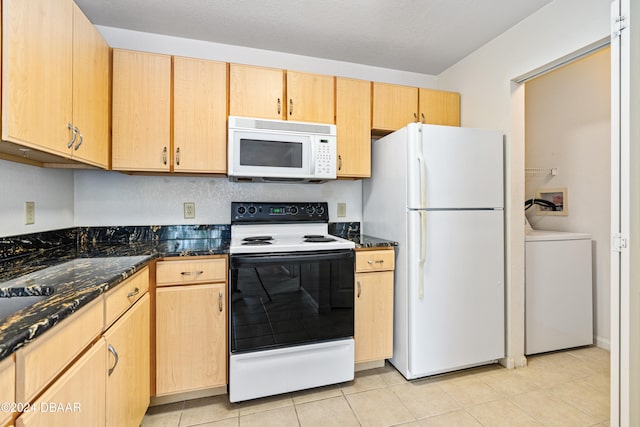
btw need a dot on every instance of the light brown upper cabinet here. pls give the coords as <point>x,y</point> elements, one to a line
<point>141,111</point>
<point>256,92</point>
<point>143,120</point>
<point>353,124</point>
<point>310,97</point>
<point>278,94</point>
<point>439,107</point>
<point>199,116</point>
<point>394,106</point>
<point>55,81</point>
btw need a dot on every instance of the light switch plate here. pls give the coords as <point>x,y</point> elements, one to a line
<point>342,210</point>
<point>29,213</point>
<point>189,210</point>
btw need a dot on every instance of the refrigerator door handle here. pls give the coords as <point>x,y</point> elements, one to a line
<point>423,253</point>
<point>423,181</point>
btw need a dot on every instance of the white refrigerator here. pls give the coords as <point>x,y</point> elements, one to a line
<point>439,192</point>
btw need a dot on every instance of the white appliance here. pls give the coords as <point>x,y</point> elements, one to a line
<point>438,192</point>
<point>291,302</point>
<point>558,291</point>
<point>280,151</point>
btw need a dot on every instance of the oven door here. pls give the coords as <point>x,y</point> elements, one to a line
<point>287,299</point>
<point>266,154</point>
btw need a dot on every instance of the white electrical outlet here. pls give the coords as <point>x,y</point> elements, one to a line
<point>29,213</point>
<point>342,210</point>
<point>189,210</point>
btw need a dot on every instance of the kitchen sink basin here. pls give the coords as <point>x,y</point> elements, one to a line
<point>13,299</point>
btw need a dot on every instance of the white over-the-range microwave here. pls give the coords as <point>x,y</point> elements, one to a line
<point>265,150</point>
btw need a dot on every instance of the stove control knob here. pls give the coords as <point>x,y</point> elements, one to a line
<point>293,210</point>
<point>319,210</point>
<point>310,210</point>
<point>252,210</point>
<point>242,210</point>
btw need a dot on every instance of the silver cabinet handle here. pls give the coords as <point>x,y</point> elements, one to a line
<point>220,301</point>
<point>290,106</point>
<point>164,155</point>
<point>192,273</point>
<point>339,162</point>
<point>423,118</point>
<point>115,355</point>
<point>81,139</point>
<point>133,293</point>
<point>73,132</point>
<point>359,289</point>
<point>378,261</point>
<point>279,107</point>
<point>415,117</point>
<point>178,156</point>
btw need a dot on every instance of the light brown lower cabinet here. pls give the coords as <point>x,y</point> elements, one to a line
<point>76,399</point>
<point>191,338</point>
<point>128,372</point>
<point>7,387</point>
<point>373,324</point>
<point>191,325</point>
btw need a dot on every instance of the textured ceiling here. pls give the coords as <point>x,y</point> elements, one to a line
<point>423,36</point>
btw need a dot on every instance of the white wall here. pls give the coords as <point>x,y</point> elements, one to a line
<point>111,198</point>
<point>50,189</point>
<point>568,126</point>
<point>491,100</point>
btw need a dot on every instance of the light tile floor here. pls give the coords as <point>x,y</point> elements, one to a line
<point>564,389</point>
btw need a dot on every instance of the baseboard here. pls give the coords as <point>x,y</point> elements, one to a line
<point>179,397</point>
<point>603,343</point>
<point>369,365</point>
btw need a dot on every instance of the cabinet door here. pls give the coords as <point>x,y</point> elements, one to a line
<point>256,92</point>
<point>90,92</point>
<point>199,115</point>
<point>7,387</point>
<point>141,111</point>
<point>128,380</point>
<point>373,322</point>
<point>310,97</point>
<point>394,106</point>
<point>353,125</point>
<point>77,398</point>
<point>36,75</point>
<point>439,107</point>
<point>191,338</point>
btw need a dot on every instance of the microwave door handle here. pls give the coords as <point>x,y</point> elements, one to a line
<point>313,157</point>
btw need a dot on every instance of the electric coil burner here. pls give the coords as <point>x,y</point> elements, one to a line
<point>291,300</point>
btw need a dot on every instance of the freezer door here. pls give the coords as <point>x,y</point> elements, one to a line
<point>456,296</point>
<point>454,168</point>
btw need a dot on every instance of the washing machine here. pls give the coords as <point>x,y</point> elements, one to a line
<point>558,291</point>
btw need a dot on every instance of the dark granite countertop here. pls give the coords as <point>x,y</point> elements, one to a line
<point>370,242</point>
<point>37,292</point>
<point>53,293</point>
<point>48,276</point>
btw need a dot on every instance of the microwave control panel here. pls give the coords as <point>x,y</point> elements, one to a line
<point>325,155</point>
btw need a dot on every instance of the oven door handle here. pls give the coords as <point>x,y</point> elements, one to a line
<point>238,261</point>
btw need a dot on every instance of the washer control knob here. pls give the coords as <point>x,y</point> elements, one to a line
<point>319,210</point>
<point>242,210</point>
<point>293,210</point>
<point>310,210</point>
<point>252,210</point>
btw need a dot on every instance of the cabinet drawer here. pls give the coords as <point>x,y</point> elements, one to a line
<point>379,260</point>
<point>7,387</point>
<point>39,362</point>
<point>124,295</point>
<point>191,271</point>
